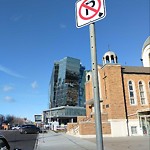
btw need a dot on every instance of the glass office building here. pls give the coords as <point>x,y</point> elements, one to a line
<point>67,83</point>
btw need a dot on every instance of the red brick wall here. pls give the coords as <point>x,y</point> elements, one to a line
<point>89,128</point>
<point>112,91</point>
<point>132,109</point>
<point>88,96</point>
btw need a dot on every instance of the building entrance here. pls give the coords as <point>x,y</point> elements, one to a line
<point>145,122</point>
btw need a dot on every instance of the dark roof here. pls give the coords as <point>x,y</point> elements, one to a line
<point>136,70</point>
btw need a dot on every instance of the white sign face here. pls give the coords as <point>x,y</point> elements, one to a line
<point>88,11</point>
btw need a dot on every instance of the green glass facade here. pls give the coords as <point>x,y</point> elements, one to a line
<point>67,83</point>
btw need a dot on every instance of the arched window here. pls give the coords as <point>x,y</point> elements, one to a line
<point>131,93</point>
<point>142,93</point>
<point>107,59</point>
<point>112,59</point>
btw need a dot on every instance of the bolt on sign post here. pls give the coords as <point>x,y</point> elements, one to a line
<point>88,12</point>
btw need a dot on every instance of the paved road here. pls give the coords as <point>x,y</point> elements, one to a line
<point>17,140</point>
<point>53,141</point>
<point>126,143</point>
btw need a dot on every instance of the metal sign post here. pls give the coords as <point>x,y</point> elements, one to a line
<point>99,138</point>
<point>88,12</point>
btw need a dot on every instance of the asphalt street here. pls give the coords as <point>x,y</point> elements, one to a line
<point>58,141</point>
<point>17,140</point>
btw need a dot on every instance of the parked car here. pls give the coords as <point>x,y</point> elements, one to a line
<point>15,128</point>
<point>4,144</point>
<point>30,128</point>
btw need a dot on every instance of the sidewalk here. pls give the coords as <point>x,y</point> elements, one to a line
<point>62,141</point>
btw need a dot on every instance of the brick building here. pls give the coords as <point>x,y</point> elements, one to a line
<point>124,98</point>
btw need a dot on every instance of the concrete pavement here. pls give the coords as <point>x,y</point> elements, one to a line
<point>126,143</point>
<point>62,141</point>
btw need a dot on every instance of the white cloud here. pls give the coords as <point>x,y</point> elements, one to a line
<point>16,17</point>
<point>34,85</point>
<point>9,99</point>
<point>63,26</point>
<point>10,72</point>
<point>7,88</point>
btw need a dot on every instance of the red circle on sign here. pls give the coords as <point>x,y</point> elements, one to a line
<point>90,8</point>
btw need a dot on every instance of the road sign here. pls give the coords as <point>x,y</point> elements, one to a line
<point>89,11</point>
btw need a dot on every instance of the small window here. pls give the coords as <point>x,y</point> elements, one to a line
<point>103,106</point>
<point>133,129</point>
<point>131,93</point>
<point>112,59</point>
<point>107,59</point>
<point>88,78</point>
<point>107,106</point>
<point>142,93</point>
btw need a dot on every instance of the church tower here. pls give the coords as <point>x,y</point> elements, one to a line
<point>146,53</point>
<point>110,58</point>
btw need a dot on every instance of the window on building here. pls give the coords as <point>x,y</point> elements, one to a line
<point>103,106</point>
<point>133,129</point>
<point>112,59</point>
<point>107,59</point>
<point>142,93</point>
<point>88,78</point>
<point>131,93</point>
<point>107,106</point>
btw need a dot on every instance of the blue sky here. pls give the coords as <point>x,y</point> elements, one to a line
<point>36,33</point>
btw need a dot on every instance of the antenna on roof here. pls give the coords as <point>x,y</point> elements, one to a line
<point>108,47</point>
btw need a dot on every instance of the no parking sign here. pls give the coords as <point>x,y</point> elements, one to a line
<point>88,11</point>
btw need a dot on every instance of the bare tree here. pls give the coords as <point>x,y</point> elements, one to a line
<point>12,120</point>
